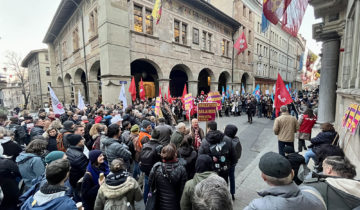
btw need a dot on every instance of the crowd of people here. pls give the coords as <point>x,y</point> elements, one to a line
<point>111,157</point>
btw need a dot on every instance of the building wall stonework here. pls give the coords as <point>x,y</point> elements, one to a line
<point>116,44</point>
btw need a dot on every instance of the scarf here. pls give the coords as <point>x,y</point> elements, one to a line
<point>197,140</point>
<point>95,172</point>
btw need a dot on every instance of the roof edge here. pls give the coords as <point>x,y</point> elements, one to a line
<point>25,61</point>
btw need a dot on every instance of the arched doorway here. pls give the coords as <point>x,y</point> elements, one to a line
<point>143,69</point>
<point>223,80</point>
<point>80,78</point>
<point>94,83</point>
<point>60,89</point>
<point>246,82</point>
<point>69,89</point>
<point>205,77</point>
<point>178,79</point>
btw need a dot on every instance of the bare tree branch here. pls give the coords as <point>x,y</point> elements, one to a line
<point>13,65</point>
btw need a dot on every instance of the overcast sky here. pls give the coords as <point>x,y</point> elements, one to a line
<point>23,24</point>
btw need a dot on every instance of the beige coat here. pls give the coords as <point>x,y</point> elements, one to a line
<point>285,127</point>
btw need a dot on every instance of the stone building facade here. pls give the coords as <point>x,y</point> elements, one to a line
<point>192,45</point>
<point>269,53</point>
<point>340,74</point>
<point>39,74</point>
<point>12,96</point>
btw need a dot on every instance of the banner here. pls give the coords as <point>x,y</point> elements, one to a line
<point>56,104</point>
<point>81,104</point>
<point>355,122</point>
<point>353,110</point>
<point>157,106</point>
<point>346,115</point>
<point>206,111</point>
<point>122,97</point>
<point>215,97</point>
<point>188,102</point>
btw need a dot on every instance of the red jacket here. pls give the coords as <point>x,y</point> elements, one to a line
<point>307,124</point>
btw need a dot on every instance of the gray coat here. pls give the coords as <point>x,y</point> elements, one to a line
<point>287,197</point>
<point>114,149</point>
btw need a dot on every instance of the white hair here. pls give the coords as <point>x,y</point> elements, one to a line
<point>180,125</point>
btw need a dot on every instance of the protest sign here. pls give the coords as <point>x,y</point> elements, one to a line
<point>207,111</point>
<point>188,102</point>
<point>355,122</point>
<point>215,97</point>
<point>157,106</point>
<point>352,113</point>
<point>346,115</point>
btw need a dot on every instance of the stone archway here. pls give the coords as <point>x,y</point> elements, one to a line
<point>247,82</point>
<point>94,83</point>
<point>180,75</point>
<point>223,81</point>
<point>69,89</point>
<point>206,76</point>
<point>148,72</point>
<point>80,83</point>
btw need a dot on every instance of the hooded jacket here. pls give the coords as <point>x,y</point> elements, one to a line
<point>36,131</point>
<point>338,193</point>
<point>188,193</point>
<point>116,187</point>
<point>56,200</point>
<point>11,148</point>
<point>9,172</point>
<point>31,167</point>
<point>169,179</point>
<point>165,133</point>
<point>20,134</point>
<point>114,149</point>
<point>189,155</point>
<point>176,138</point>
<point>287,197</point>
<point>78,162</point>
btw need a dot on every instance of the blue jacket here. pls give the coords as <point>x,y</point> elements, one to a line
<point>49,201</point>
<point>31,167</point>
<point>326,137</point>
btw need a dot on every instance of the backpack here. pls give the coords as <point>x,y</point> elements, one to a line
<point>60,142</point>
<point>117,204</point>
<point>237,147</point>
<point>219,153</point>
<point>147,158</point>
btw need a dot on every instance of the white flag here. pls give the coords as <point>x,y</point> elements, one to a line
<point>122,96</point>
<point>56,104</point>
<point>81,104</point>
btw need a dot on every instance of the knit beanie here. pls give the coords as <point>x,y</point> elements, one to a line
<point>73,139</point>
<point>54,155</point>
<point>93,155</point>
<point>134,128</point>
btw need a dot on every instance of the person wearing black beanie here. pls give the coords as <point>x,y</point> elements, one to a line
<point>204,168</point>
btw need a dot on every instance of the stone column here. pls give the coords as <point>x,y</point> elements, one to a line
<point>193,88</point>
<point>329,72</point>
<point>93,91</point>
<point>114,51</point>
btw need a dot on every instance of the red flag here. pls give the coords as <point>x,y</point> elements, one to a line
<point>142,90</point>
<point>241,44</point>
<point>132,89</point>
<point>184,92</point>
<point>169,96</point>
<point>274,9</point>
<point>293,16</point>
<point>282,95</point>
<point>160,95</point>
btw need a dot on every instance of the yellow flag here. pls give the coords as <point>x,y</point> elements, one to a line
<point>156,13</point>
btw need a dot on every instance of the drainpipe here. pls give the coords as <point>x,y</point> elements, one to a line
<point>232,63</point>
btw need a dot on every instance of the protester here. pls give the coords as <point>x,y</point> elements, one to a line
<point>296,160</point>
<point>18,131</point>
<point>178,135</point>
<point>197,134</point>
<point>165,132</point>
<point>204,168</point>
<point>10,148</point>
<point>68,128</point>
<point>276,171</point>
<point>230,132</point>
<point>118,190</point>
<point>187,153</point>
<point>328,135</point>
<point>219,147</point>
<point>168,178</point>
<point>337,187</point>
<point>97,131</point>
<point>51,136</point>
<point>285,127</point>
<point>113,148</point>
<point>30,162</point>
<point>306,122</point>
<point>52,195</point>
<point>92,180</point>
<point>212,193</point>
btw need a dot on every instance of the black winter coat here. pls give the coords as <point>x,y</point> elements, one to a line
<point>89,191</point>
<point>11,148</point>
<point>20,134</point>
<point>78,163</point>
<point>9,171</point>
<point>296,160</point>
<point>326,137</point>
<point>169,179</point>
<point>189,155</point>
<point>52,143</point>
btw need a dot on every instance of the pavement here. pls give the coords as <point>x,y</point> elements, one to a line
<point>256,139</point>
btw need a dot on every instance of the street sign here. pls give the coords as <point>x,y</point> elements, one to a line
<point>206,111</point>
<point>123,82</point>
